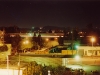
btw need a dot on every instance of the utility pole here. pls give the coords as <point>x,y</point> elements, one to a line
<point>8,63</point>
<point>72,40</point>
<point>19,65</point>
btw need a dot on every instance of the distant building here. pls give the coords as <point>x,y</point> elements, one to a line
<point>13,68</point>
<point>89,50</point>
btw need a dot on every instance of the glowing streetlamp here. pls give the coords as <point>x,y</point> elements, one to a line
<point>77,57</point>
<point>47,39</point>
<point>49,72</point>
<point>92,40</point>
<point>26,42</point>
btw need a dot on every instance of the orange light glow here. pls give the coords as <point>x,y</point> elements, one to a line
<point>47,39</point>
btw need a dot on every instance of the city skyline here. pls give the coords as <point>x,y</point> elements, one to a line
<point>63,13</point>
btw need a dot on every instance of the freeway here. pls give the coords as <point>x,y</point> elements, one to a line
<point>52,55</point>
<point>46,53</point>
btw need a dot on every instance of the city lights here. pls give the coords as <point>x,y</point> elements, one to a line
<point>26,42</point>
<point>47,39</point>
<point>93,40</point>
<point>11,72</point>
<point>77,57</point>
<point>60,37</point>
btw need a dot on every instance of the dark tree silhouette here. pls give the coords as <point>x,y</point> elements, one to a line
<point>40,41</point>
<point>61,40</point>
<point>7,38</point>
<point>34,39</point>
<point>75,34</point>
<point>12,29</point>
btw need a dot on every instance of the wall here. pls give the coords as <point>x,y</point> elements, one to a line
<point>89,50</point>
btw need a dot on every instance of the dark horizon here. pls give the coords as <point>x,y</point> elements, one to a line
<point>35,13</point>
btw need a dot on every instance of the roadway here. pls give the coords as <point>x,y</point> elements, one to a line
<point>52,55</point>
<point>87,63</point>
<point>45,53</point>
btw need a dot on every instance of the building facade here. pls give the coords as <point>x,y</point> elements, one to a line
<point>89,50</point>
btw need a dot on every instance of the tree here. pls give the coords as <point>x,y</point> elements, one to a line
<point>60,40</point>
<point>12,29</point>
<point>75,34</point>
<point>40,41</point>
<point>7,38</point>
<point>13,40</point>
<point>34,39</point>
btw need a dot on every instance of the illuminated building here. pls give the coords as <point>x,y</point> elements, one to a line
<point>24,69</point>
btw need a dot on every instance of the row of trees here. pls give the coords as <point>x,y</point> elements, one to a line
<point>37,41</point>
<point>69,34</point>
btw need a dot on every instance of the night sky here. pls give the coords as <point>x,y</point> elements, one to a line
<point>30,13</point>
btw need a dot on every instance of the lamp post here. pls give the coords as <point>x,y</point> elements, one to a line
<point>92,40</point>
<point>8,64</point>
<point>19,65</point>
<point>79,59</point>
<point>25,44</point>
<point>72,41</point>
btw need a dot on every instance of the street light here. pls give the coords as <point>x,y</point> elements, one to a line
<point>8,64</point>
<point>77,57</point>
<point>47,39</point>
<point>92,40</point>
<point>26,42</point>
